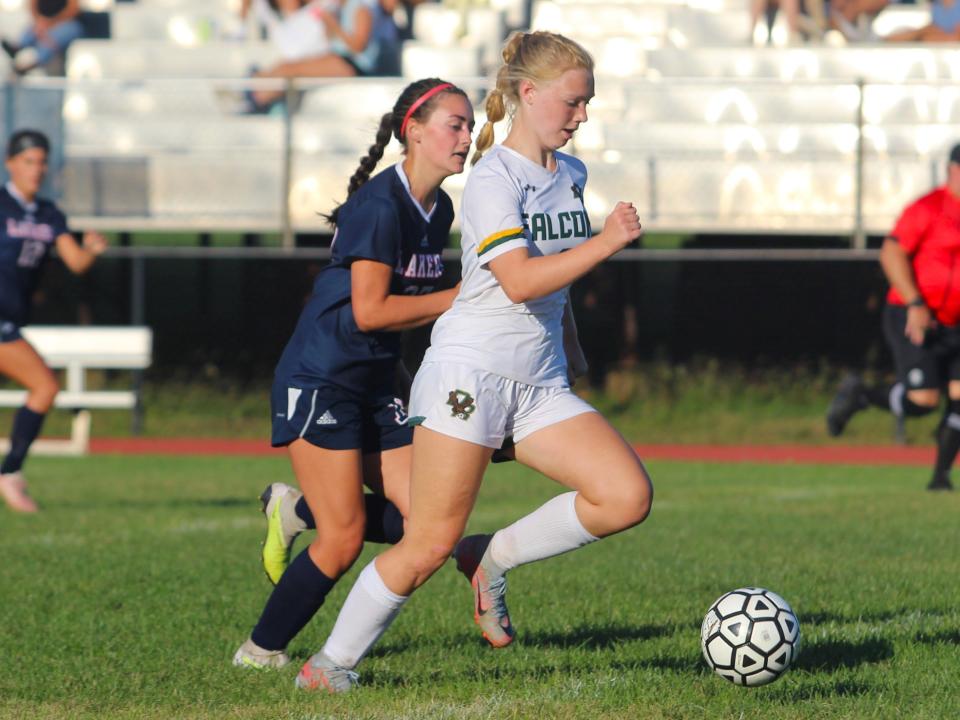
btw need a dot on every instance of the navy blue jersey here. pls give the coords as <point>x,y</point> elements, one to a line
<point>379,222</point>
<point>27,232</point>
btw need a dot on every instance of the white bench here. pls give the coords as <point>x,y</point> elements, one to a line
<point>78,349</point>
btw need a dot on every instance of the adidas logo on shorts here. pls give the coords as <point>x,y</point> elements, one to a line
<point>326,419</point>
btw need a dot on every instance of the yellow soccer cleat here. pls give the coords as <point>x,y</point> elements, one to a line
<point>279,502</point>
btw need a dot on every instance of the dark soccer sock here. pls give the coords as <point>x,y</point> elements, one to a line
<point>294,601</point>
<point>26,427</point>
<point>303,512</point>
<point>384,521</point>
<point>948,438</point>
<point>879,395</point>
<point>894,398</point>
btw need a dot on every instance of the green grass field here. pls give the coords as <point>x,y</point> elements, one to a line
<point>127,596</point>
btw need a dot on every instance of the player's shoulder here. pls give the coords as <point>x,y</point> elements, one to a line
<point>498,167</point>
<point>574,165</point>
<point>444,203</point>
<point>926,205</point>
<point>6,199</point>
<point>377,196</point>
<point>48,208</point>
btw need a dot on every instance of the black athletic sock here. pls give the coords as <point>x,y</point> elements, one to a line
<point>384,521</point>
<point>879,395</point>
<point>894,398</point>
<point>948,438</point>
<point>26,427</point>
<point>303,512</point>
<point>294,601</point>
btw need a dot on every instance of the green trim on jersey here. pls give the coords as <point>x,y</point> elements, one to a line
<point>499,238</point>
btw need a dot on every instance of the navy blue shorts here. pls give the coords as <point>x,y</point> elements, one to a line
<point>332,418</point>
<point>9,331</point>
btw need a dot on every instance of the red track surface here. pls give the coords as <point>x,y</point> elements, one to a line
<point>776,454</point>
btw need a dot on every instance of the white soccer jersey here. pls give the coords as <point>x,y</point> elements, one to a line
<point>510,202</point>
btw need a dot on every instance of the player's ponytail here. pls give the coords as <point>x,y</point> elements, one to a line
<point>535,56</point>
<point>496,111</point>
<point>416,102</point>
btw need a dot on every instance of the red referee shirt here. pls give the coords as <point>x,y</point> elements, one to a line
<point>929,231</point>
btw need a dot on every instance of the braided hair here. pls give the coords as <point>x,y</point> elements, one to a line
<point>391,125</point>
<point>534,56</point>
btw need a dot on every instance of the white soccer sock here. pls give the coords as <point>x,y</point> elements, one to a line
<point>551,529</point>
<point>367,613</point>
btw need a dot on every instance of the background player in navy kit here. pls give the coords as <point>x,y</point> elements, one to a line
<point>497,366</point>
<point>334,403</point>
<point>29,227</point>
<point>921,322</point>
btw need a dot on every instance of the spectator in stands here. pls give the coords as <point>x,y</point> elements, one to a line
<point>944,25</point>
<point>291,25</point>
<point>54,26</point>
<point>854,18</point>
<point>359,32</point>
<point>921,322</point>
<point>767,9</point>
<point>30,227</point>
<point>269,9</point>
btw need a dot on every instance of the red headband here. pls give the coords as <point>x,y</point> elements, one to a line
<point>420,101</point>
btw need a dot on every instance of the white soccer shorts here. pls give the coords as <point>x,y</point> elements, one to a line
<point>483,408</point>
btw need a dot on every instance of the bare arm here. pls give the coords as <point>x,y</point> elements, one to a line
<point>897,267</point>
<point>524,278</point>
<point>362,29</point>
<point>79,257</point>
<point>374,308</point>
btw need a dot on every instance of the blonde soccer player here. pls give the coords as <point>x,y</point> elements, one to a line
<point>497,367</point>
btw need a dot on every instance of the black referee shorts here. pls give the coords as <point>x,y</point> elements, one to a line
<point>928,366</point>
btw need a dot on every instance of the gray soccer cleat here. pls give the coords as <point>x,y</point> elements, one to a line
<point>250,655</point>
<point>489,591</point>
<point>322,673</point>
<point>13,489</point>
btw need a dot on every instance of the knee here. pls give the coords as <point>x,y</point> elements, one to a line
<point>41,396</point>
<point>632,503</point>
<point>335,552</point>
<point>639,501</point>
<point>927,398</point>
<point>427,556</point>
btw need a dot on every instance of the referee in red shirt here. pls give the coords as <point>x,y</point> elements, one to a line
<point>921,322</point>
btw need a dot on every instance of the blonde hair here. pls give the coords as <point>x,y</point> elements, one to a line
<point>535,56</point>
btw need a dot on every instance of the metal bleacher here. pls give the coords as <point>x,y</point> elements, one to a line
<point>702,129</point>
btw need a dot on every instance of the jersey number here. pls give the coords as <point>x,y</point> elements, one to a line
<point>31,253</point>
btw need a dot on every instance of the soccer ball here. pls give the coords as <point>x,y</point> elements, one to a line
<point>750,636</point>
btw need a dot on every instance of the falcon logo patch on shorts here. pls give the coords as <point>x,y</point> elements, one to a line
<point>915,377</point>
<point>462,404</point>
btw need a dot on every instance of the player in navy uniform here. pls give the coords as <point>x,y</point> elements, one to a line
<point>334,402</point>
<point>29,227</point>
